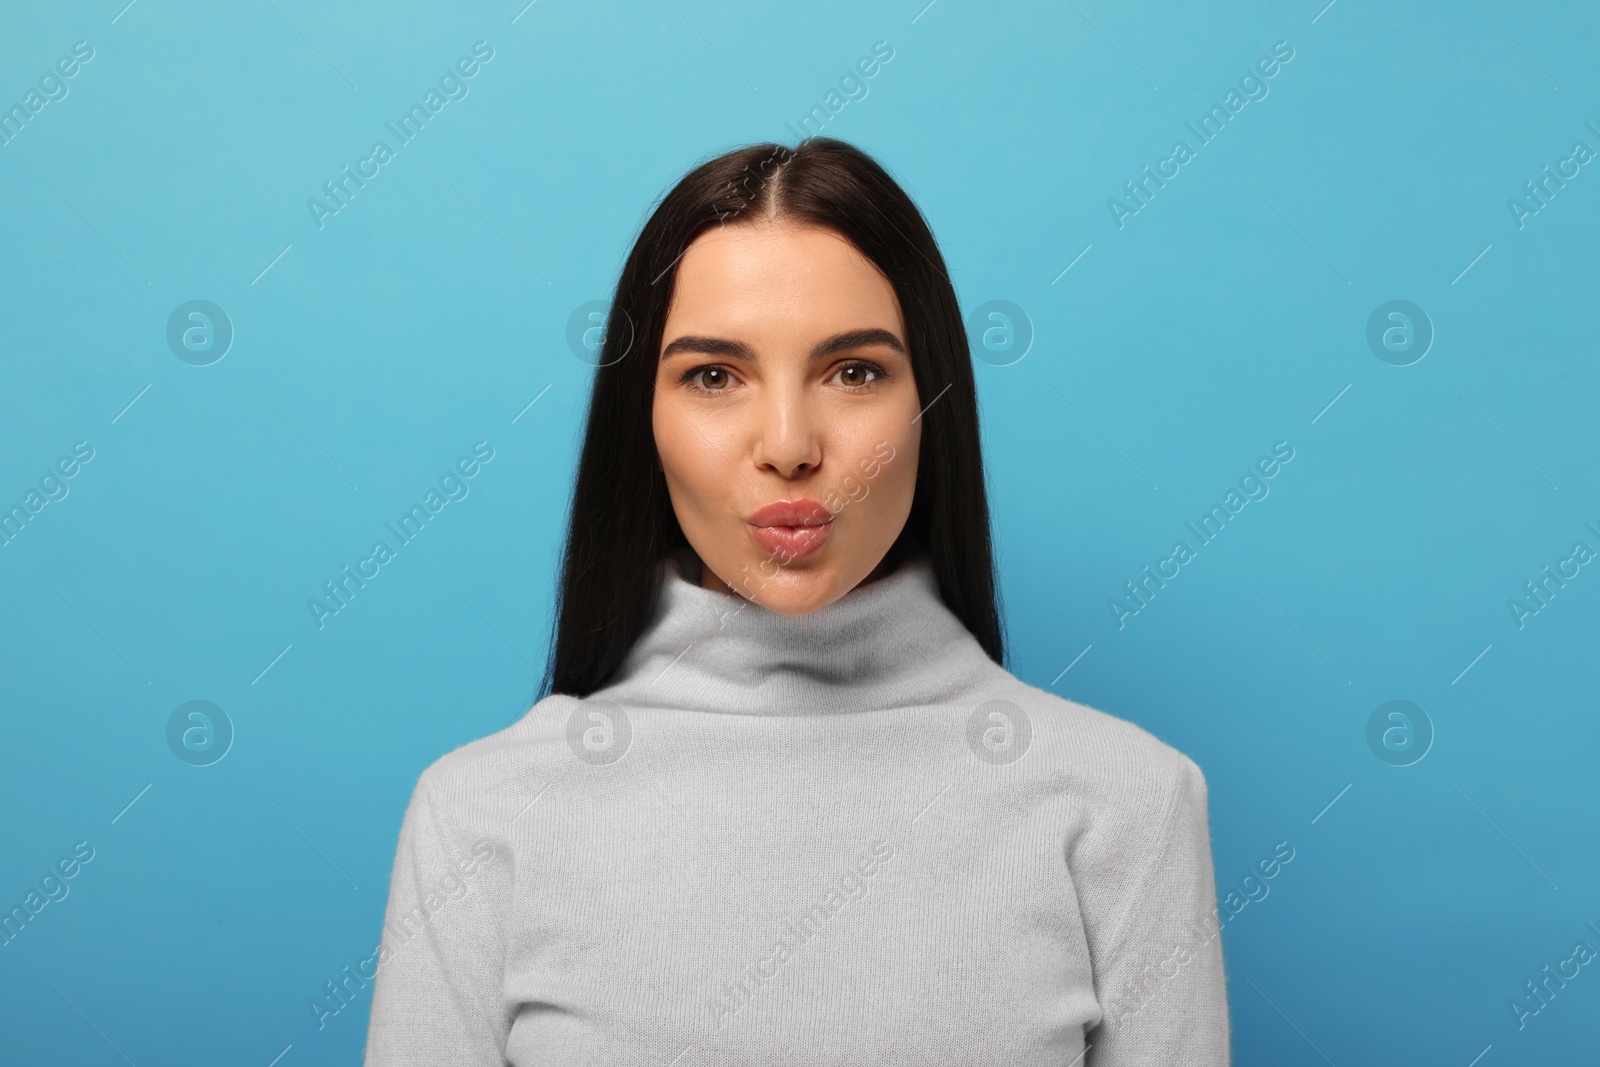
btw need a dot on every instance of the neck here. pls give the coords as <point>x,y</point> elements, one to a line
<point>890,642</point>
<point>695,570</point>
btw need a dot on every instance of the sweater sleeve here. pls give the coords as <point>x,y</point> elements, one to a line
<point>436,997</point>
<point>1160,977</point>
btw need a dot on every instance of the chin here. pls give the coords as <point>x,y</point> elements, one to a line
<point>788,603</point>
<point>798,588</point>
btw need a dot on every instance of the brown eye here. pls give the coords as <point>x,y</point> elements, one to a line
<point>707,378</point>
<point>858,375</point>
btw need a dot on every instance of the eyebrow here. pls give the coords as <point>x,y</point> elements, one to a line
<point>716,346</point>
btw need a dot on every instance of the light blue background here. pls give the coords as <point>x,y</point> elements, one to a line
<point>1227,315</point>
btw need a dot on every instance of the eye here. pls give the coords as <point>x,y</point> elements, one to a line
<point>859,374</point>
<point>711,378</point>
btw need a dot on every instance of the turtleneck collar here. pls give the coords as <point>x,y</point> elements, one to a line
<point>889,643</point>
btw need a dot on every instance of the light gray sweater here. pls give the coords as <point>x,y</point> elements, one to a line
<point>840,838</point>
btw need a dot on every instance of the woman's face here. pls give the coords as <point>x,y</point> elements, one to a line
<point>785,413</point>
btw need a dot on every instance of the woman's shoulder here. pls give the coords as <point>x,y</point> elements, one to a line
<point>1099,753</point>
<point>488,781</point>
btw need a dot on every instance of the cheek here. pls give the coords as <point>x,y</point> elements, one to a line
<point>694,472</point>
<point>899,476</point>
<point>885,487</point>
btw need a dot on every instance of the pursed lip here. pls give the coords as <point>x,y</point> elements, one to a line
<point>802,511</point>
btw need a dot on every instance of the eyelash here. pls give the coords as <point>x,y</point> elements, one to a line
<point>694,372</point>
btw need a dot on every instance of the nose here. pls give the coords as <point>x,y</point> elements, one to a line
<point>788,441</point>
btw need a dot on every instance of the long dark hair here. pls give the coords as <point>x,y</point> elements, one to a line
<point>622,522</point>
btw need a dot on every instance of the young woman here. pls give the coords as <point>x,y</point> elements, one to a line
<point>780,802</point>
